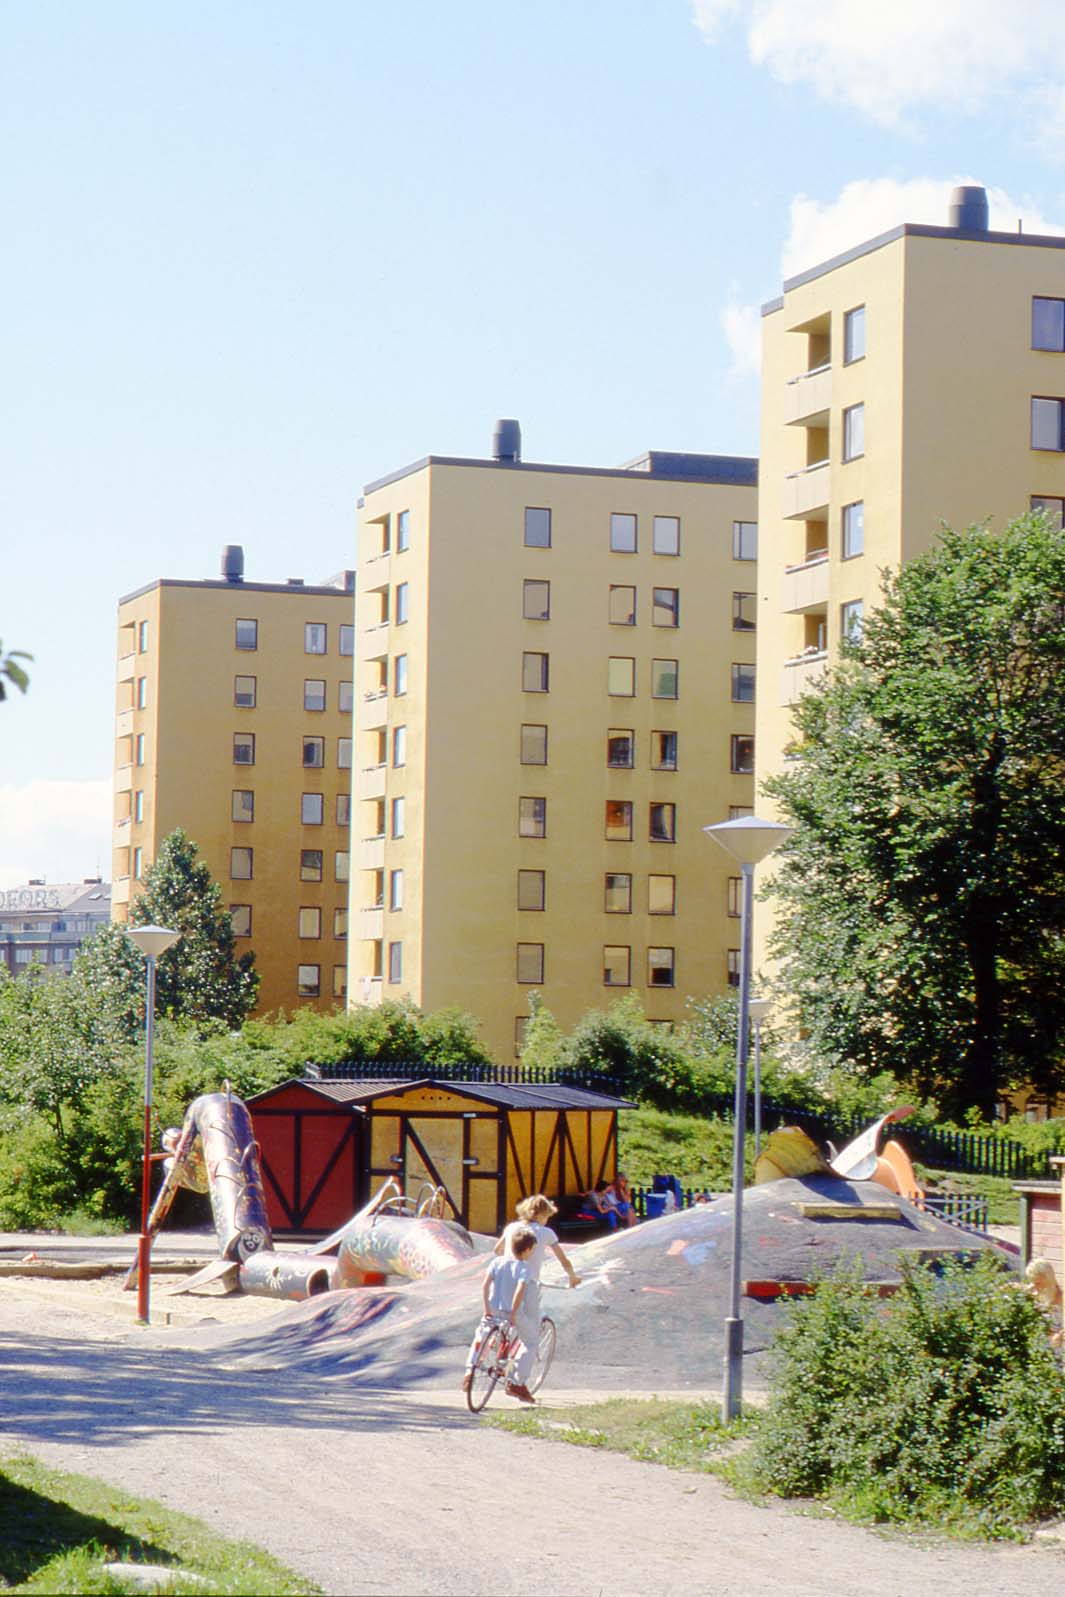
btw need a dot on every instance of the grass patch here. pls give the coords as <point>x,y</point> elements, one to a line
<point>695,1148</point>
<point>57,1531</point>
<point>679,1435</point>
<point>1002,1202</point>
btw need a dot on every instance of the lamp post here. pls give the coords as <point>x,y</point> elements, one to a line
<point>152,941</point>
<point>748,840</point>
<point>758,1009</point>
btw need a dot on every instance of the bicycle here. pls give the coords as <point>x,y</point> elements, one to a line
<point>496,1357</point>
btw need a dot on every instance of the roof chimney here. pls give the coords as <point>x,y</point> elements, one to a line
<point>968,209</point>
<point>506,443</point>
<point>233,563</point>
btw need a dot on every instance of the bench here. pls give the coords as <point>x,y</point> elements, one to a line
<point>570,1223</point>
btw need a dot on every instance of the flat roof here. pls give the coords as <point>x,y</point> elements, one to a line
<point>911,230</point>
<point>315,588</point>
<point>661,464</point>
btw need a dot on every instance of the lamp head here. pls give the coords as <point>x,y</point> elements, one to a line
<point>152,940</point>
<point>749,839</point>
<point>758,1008</point>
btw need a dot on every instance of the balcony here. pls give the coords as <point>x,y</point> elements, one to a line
<point>124,779</point>
<point>374,714</point>
<point>800,673</point>
<point>124,724</point>
<point>371,854</point>
<point>372,781</point>
<point>127,667</point>
<point>120,890</point>
<point>120,832</point>
<point>806,493</point>
<point>805,587</point>
<point>372,922</point>
<point>807,398</point>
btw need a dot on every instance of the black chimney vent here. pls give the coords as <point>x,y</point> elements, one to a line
<point>968,209</point>
<point>506,442</point>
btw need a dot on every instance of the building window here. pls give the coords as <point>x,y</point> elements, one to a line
<point>665,539</point>
<point>402,531</point>
<point>308,980</point>
<point>534,672</point>
<point>401,610</point>
<point>741,754</point>
<point>245,692</point>
<point>663,751</point>
<point>618,825</point>
<point>853,529</point>
<point>623,534</point>
<point>621,748</point>
<point>343,809</point>
<point>663,679</point>
<point>247,635</point>
<point>732,966</point>
<point>312,809</point>
<point>399,675</point>
<point>743,684</point>
<point>240,918</point>
<point>530,963</point>
<point>345,697</point>
<point>313,754</point>
<point>850,621</point>
<point>243,804</point>
<point>853,432</point>
<point>662,823</point>
<point>1048,424</point>
<point>399,746</point>
<point>621,677</point>
<point>617,893</point>
<point>138,805</point>
<point>310,864</point>
<point>535,600</point>
<point>533,745</point>
<point>347,640</point>
<point>665,608</point>
<point>531,889</point>
<point>745,540</point>
<point>1053,509</point>
<point>1048,324</point>
<point>739,812</point>
<point>395,963</point>
<point>621,606</point>
<point>138,868</point>
<point>240,864</point>
<point>315,637</point>
<point>343,754</point>
<point>314,695</point>
<point>142,693</point>
<point>854,334</point>
<point>537,527</point>
<point>395,890</point>
<point>744,612</point>
<point>243,748</point>
<point>735,896</point>
<point>378,958</point>
<point>341,865</point>
<point>138,749</point>
<point>617,966</point>
<point>340,924</point>
<point>532,817</point>
<point>661,895</point>
<point>399,817</point>
<point>142,637</point>
<point>660,967</point>
<point>340,981</point>
<point>310,922</point>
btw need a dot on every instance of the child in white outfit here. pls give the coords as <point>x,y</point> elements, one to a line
<point>510,1294</point>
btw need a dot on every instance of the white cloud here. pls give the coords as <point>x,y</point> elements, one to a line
<point>822,228</point>
<point>58,830</point>
<point>742,326</point>
<point>887,60</point>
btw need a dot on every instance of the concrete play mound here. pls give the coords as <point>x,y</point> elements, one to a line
<point>650,1308</point>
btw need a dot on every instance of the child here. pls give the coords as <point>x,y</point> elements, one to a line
<point>534,1213</point>
<point>510,1294</point>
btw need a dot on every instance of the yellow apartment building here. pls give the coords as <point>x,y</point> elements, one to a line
<point>555,686</point>
<point>233,721</point>
<point>917,378</point>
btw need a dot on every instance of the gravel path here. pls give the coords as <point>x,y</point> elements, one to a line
<point>371,1491</point>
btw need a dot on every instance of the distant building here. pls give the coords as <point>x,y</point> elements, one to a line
<point>234,723</point>
<point>46,924</point>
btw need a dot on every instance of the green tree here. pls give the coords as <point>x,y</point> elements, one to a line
<point>12,671</point>
<point>922,897</point>
<point>200,978</point>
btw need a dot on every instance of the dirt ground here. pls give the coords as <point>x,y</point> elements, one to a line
<point>367,1489</point>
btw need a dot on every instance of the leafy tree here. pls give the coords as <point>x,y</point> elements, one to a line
<point>922,898</point>
<point>15,673</point>
<point>57,1039</point>
<point>200,977</point>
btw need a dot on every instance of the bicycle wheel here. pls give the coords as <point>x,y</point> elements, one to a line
<point>545,1352</point>
<point>486,1370</point>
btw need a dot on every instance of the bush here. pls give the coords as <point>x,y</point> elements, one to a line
<point>695,1148</point>
<point>944,1405</point>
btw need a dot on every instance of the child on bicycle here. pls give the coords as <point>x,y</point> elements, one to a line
<point>510,1294</point>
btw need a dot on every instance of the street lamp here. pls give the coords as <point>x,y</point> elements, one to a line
<point>152,941</point>
<point>747,840</point>
<point>758,1009</point>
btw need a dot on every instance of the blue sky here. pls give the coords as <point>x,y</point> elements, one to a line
<point>256,255</point>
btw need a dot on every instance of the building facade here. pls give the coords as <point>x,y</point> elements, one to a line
<point>917,378</point>
<point>46,924</point>
<point>234,722</point>
<point>555,686</point>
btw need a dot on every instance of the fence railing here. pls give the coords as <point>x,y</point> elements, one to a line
<point>943,1150</point>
